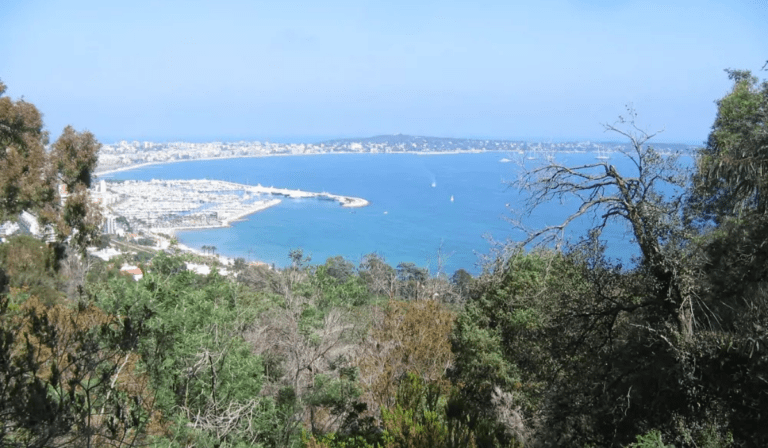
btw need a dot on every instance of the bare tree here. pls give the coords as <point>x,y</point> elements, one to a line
<point>221,417</point>
<point>639,198</point>
<point>439,286</point>
<point>74,268</point>
<point>380,277</point>
<point>305,348</point>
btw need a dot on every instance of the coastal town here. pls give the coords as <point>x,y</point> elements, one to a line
<point>149,213</point>
<point>126,155</point>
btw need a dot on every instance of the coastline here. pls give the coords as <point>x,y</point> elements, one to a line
<point>344,201</point>
<point>168,162</point>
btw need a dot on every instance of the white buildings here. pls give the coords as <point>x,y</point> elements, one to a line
<point>29,222</point>
<point>7,229</point>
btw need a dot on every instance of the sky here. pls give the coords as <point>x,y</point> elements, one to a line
<point>307,71</point>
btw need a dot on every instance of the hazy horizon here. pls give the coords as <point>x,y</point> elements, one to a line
<point>301,71</point>
<point>609,139</point>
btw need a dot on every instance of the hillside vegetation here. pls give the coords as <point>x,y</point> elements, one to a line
<point>548,346</point>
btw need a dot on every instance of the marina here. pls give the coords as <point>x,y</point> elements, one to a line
<point>167,206</point>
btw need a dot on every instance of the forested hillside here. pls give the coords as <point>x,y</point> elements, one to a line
<point>550,346</point>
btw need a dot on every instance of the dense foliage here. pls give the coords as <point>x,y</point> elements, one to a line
<point>53,184</point>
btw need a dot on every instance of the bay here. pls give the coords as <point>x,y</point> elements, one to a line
<point>433,210</point>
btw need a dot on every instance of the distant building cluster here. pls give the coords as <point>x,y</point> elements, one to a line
<point>125,154</point>
<point>175,204</point>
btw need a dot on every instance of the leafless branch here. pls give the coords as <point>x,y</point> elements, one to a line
<point>635,198</point>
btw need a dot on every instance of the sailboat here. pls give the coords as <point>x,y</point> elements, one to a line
<point>451,198</point>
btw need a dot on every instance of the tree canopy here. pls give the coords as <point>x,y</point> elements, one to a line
<point>52,184</point>
<point>732,169</point>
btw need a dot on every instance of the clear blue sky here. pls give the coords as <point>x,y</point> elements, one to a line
<point>288,70</point>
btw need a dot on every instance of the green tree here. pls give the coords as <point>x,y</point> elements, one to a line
<point>417,419</point>
<point>74,156</point>
<point>337,285</point>
<point>504,343</point>
<point>339,268</point>
<point>63,380</point>
<point>729,193</point>
<point>25,183</point>
<point>412,280</point>
<point>205,377</point>
<point>650,440</point>
<point>733,166</point>
<point>239,265</point>
<point>462,281</point>
<point>30,177</point>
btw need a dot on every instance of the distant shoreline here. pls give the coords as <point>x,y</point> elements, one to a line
<point>168,162</point>
<point>250,156</point>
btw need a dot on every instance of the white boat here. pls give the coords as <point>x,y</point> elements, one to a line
<point>451,198</point>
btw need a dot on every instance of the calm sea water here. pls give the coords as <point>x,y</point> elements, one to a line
<point>411,217</point>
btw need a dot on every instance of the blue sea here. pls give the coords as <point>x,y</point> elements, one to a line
<point>432,210</point>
